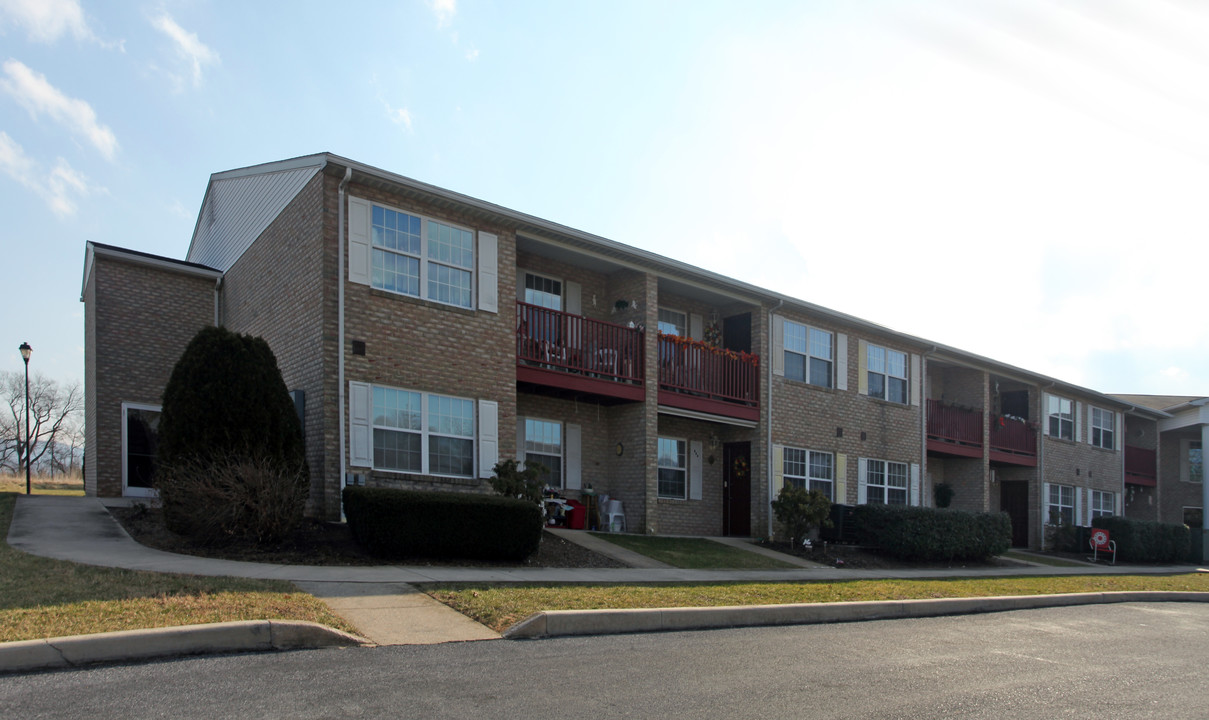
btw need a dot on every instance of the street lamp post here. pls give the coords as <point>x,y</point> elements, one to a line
<point>25,351</point>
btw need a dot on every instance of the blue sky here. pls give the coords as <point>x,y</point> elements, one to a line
<point>1023,179</point>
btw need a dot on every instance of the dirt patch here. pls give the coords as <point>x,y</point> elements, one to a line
<point>862,558</point>
<point>323,543</point>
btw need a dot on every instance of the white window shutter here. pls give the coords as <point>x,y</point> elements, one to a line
<point>915,498</point>
<point>360,452</point>
<point>358,240</point>
<point>862,378</point>
<point>1078,506</point>
<point>915,370</point>
<point>841,479</point>
<point>778,470</point>
<point>489,437</point>
<point>574,452</point>
<point>862,492</point>
<point>489,273</point>
<point>778,345</point>
<point>695,463</point>
<point>841,361</point>
<point>1118,433</point>
<point>1079,421</point>
<point>696,326</point>
<point>573,297</point>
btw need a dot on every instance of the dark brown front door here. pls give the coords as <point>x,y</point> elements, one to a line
<point>1013,500</point>
<point>736,489</point>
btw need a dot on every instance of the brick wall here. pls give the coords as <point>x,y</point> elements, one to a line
<point>1175,494</point>
<point>1081,465</point>
<point>139,318</point>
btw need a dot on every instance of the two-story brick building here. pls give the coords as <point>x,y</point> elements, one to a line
<point>426,334</point>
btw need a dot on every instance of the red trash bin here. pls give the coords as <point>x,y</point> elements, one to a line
<point>577,515</point>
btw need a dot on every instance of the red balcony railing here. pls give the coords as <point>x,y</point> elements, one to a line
<point>691,369</point>
<point>555,340</point>
<point>1013,440</point>
<point>1140,466</point>
<point>951,424</point>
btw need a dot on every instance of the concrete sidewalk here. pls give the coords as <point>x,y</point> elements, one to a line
<point>383,603</point>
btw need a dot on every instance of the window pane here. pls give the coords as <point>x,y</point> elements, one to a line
<point>449,285</point>
<point>820,344</point>
<point>671,483</point>
<point>142,434</point>
<point>795,462</point>
<point>795,366</point>
<point>824,487</point>
<point>877,385</point>
<point>795,337</point>
<point>396,409</point>
<point>896,363</point>
<point>820,372</point>
<point>395,230</point>
<point>897,390</point>
<point>450,245</point>
<point>395,450</point>
<point>671,322</point>
<point>820,466</point>
<point>450,416</point>
<point>553,464</point>
<point>451,456</point>
<point>543,291</point>
<point>1196,462</point>
<point>876,359</point>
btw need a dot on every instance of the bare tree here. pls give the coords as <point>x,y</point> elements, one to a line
<point>53,413</point>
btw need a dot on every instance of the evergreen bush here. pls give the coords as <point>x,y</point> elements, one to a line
<point>930,534</point>
<point>1146,540</point>
<point>801,510</point>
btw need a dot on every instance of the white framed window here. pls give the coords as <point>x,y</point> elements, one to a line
<point>1103,504</point>
<point>1060,506</point>
<point>673,468</point>
<point>887,372</point>
<point>885,482</point>
<point>673,322</point>
<point>1103,428</point>
<point>414,255</point>
<point>140,441</point>
<point>1061,417</point>
<point>422,433</point>
<point>543,291</point>
<point>809,470</point>
<point>1192,461</point>
<point>809,354</point>
<point>544,444</point>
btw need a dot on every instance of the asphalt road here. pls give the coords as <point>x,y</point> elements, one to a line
<point>1100,661</point>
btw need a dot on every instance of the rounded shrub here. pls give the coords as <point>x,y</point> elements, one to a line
<point>231,461</point>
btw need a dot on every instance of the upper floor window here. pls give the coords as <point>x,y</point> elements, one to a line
<point>887,371</point>
<point>885,482</point>
<point>422,433</point>
<point>1061,414</point>
<point>1103,428</point>
<point>544,444</point>
<point>1192,461</point>
<point>543,292</point>
<point>1060,508</point>
<point>809,354</point>
<point>413,255</point>
<point>673,469</point>
<point>809,470</point>
<point>673,322</point>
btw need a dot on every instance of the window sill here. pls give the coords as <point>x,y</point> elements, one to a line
<point>424,302</point>
<point>809,385</point>
<point>891,403</point>
<point>662,499</point>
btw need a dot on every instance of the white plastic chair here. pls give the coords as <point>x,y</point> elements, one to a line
<point>614,516</point>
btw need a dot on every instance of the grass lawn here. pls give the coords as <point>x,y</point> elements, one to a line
<point>500,606</point>
<point>42,486</point>
<point>41,597</point>
<point>694,553</point>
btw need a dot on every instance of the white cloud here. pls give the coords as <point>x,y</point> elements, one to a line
<point>46,21</point>
<point>61,188</point>
<point>444,10</point>
<point>188,46</point>
<point>472,55</point>
<point>35,94</point>
<point>399,116</point>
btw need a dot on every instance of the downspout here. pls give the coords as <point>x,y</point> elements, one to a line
<point>348,175</point>
<point>1042,419</point>
<point>923,424</point>
<point>768,445</point>
<point>217,290</point>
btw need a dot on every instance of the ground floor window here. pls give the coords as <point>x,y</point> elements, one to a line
<point>673,469</point>
<point>423,433</point>
<point>140,440</point>
<point>1103,504</point>
<point>1061,505</point>
<point>885,482</point>
<point>544,444</point>
<point>809,470</point>
<point>1194,517</point>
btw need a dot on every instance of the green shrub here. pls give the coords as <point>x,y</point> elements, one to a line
<point>931,535</point>
<point>408,523</point>
<point>800,510</point>
<point>943,494</point>
<point>226,412</point>
<point>1146,540</point>
<point>510,481</point>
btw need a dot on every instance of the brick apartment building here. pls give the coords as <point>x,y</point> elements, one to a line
<point>426,334</point>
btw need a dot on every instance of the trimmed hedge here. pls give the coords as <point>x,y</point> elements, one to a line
<point>408,523</point>
<point>1146,540</point>
<point>931,535</point>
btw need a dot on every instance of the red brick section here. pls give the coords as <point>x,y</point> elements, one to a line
<point>139,320</point>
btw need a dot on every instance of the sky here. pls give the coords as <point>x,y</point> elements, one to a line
<point>1022,179</point>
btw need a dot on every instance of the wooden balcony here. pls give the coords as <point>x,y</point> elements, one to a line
<point>1140,466</point>
<point>568,352</point>
<point>954,431</point>
<point>1013,442</point>
<point>697,377</point>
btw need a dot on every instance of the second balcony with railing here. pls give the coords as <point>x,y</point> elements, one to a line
<point>561,350</point>
<point>700,377</point>
<point>957,431</point>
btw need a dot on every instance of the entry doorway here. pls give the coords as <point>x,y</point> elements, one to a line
<point>1013,500</point>
<point>736,489</point>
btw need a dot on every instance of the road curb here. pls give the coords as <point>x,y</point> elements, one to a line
<point>227,637</point>
<point>559,623</point>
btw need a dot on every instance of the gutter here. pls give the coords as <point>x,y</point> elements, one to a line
<point>348,175</point>
<point>923,425</point>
